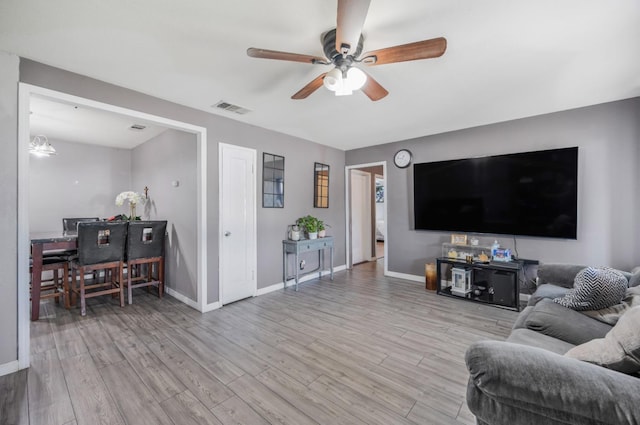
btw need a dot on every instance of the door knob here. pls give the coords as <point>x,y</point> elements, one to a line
<point>227,233</point>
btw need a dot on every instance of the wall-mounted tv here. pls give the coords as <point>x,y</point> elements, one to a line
<point>528,194</point>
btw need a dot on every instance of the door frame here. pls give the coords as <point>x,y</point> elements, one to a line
<point>254,244</point>
<point>24,98</point>
<point>347,203</point>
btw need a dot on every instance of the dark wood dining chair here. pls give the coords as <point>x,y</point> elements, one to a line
<point>70,224</point>
<point>58,286</point>
<point>100,248</point>
<point>145,256</point>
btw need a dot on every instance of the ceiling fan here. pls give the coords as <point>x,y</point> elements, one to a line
<point>342,47</point>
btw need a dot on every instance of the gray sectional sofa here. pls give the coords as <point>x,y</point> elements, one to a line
<point>533,378</point>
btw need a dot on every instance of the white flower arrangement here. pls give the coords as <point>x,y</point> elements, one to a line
<point>133,198</point>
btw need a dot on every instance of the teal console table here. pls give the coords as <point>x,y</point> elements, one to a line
<point>306,245</point>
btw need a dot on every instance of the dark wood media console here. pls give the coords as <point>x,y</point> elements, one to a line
<point>496,283</point>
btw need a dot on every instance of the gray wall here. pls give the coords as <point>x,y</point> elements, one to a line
<point>608,137</point>
<point>8,207</point>
<point>298,202</point>
<point>171,156</point>
<point>82,180</point>
<point>300,156</point>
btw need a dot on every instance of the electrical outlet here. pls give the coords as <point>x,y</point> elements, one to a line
<point>302,264</point>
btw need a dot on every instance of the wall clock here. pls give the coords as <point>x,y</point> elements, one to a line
<point>402,158</point>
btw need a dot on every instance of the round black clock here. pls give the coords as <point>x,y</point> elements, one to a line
<point>402,158</point>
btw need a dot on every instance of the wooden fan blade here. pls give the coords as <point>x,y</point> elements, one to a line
<point>373,89</point>
<point>284,56</point>
<point>351,16</point>
<point>425,49</point>
<point>309,88</point>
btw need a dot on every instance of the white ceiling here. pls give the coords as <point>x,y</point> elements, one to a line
<point>505,59</point>
<point>81,124</point>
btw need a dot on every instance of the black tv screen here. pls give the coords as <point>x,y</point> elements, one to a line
<point>529,194</point>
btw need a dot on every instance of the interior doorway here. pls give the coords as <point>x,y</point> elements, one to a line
<point>366,213</point>
<point>26,93</point>
<point>380,217</point>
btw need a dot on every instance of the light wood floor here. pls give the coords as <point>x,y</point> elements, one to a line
<point>363,349</point>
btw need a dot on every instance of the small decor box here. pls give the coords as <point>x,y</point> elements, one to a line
<point>460,281</point>
<point>502,255</point>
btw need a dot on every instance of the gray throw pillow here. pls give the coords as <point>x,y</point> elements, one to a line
<point>594,289</point>
<point>618,350</point>
<point>563,323</point>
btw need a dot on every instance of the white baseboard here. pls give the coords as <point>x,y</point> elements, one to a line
<point>268,289</point>
<point>7,368</point>
<point>178,296</point>
<point>210,307</point>
<point>277,286</point>
<point>405,276</point>
<point>191,303</point>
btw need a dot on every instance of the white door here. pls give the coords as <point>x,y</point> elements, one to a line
<point>238,238</point>
<point>360,216</point>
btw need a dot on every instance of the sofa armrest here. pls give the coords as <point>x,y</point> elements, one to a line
<point>544,384</point>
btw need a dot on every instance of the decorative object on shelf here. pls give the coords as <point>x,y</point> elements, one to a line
<point>452,253</point>
<point>402,158</point>
<point>133,198</point>
<point>459,239</point>
<point>502,254</point>
<point>294,232</point>
<point>431,276</point>
<point>320,185</point>
<point>272,181</point>
<point>40,146</point>
<point>483,258</point>
<point>494,246</point>
<point>461,281</point>
<point>310,225</point>
<point>474,241</point>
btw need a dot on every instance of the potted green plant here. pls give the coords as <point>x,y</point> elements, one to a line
<point>322,231</point>
<point>310,225</point>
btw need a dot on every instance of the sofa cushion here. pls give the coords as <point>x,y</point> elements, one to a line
<point>618,350</point>
<point>536,339</point>
<point>522,318</point>
<point>595,288</point>
<point>554,320</point>
<point>558,274</point>
<point>610,315</point>
<point>548,290</point>
<point>634,279</point>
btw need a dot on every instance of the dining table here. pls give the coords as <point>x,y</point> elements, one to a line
<point>41,243</point>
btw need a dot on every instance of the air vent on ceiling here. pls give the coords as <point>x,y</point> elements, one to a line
<point>231,108</point>
<point>137,127</point>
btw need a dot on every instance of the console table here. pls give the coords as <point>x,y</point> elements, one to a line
<point>306,245</point>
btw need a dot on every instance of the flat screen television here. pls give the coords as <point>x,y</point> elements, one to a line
<point>528,194</point>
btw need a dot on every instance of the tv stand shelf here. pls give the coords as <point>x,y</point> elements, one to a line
<point>495,283</point>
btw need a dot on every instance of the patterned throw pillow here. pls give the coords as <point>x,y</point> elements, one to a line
<point>594,289</point>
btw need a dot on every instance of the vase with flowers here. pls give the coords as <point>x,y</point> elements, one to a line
<point>134,199</point>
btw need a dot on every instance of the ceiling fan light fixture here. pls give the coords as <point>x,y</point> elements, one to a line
<point>333,80</point>
<point>344,90</point>
<point>355,79</point>
<point>40,146</point>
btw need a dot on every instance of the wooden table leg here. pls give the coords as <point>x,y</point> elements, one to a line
<point>36,280</point>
